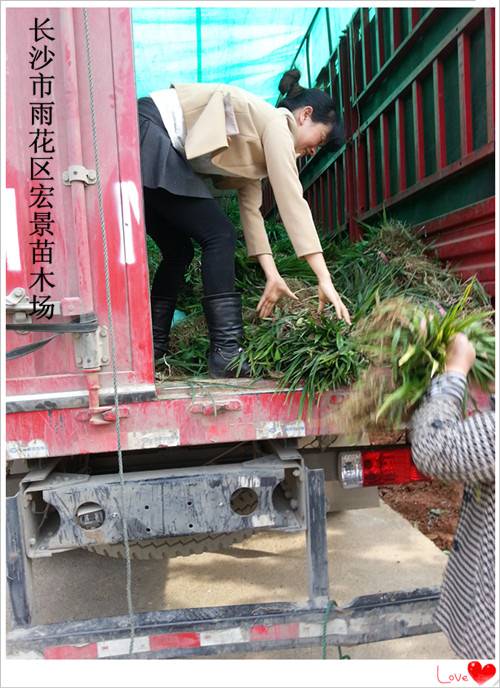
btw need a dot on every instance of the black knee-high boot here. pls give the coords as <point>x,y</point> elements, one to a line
<point>162,313</point>
<point>225,327</point>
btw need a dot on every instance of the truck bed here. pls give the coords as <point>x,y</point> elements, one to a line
<point>182,413</point>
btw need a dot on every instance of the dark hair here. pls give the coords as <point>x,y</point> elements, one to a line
<point>296,96</point>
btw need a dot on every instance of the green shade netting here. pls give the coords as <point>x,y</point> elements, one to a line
<point>248,47</point>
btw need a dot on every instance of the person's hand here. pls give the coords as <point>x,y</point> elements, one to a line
<point>460,355</point>
<point>275,289</point>
<point>328,294</point>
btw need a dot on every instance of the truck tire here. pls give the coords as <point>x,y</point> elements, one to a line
<point>167,548</point>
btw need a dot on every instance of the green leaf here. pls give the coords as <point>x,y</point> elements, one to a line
<point>406,357</point>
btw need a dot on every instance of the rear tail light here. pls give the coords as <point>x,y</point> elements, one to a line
<point>378,467</point>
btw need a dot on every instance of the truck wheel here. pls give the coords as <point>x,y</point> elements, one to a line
<point>167,548</point>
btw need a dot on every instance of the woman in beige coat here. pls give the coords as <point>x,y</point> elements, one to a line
<point>195,132</point>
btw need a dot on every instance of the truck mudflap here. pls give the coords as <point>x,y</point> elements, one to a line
<point>241,628</point>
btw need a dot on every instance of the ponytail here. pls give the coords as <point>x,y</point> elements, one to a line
<point>323,107</point>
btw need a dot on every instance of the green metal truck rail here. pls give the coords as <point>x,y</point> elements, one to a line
<point>415,87</point>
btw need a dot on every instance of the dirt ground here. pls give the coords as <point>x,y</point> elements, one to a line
<point>432,507</point>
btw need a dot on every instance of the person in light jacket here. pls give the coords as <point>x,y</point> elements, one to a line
<point>190,133</point>
<point>447,446</point>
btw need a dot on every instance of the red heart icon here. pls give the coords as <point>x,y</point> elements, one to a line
<point>479,673</point>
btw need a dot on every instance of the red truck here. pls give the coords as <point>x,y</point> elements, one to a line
<point>99,454</point>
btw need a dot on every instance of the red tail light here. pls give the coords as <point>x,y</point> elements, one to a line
<point>389,467</point>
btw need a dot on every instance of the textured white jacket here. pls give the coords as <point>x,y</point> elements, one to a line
<point>447,446</point>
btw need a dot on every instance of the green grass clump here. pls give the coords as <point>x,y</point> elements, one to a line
<point>301,349</point>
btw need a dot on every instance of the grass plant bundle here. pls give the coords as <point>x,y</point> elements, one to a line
<point>406,344</point>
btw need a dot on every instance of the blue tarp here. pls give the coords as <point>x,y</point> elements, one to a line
<point>249,47</point>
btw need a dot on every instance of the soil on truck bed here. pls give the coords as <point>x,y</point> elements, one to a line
<point>432,507</point>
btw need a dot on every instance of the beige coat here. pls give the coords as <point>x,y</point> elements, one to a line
<point>263,147</point>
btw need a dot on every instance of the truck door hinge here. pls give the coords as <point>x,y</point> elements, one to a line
<point>210,408</point>
<point>92,348</point>
<point>79,173</point>
<point>19,306</point>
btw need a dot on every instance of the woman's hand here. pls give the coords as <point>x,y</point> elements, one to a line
<point>326,291</point>
<point>275,289</point>
<point>460,355</point>
<point>328,294</point>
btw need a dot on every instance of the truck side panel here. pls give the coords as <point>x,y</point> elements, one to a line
<point>416,90</point>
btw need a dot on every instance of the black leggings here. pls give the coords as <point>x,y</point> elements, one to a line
<point>173,222</point>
